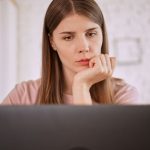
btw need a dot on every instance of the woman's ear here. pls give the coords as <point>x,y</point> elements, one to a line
<point>52,42</point>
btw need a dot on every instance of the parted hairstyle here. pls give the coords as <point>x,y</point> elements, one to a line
<point>52,79</point>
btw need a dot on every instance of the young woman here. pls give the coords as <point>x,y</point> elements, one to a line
<point>76,66</point>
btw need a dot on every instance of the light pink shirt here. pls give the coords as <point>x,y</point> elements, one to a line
<point>25,93</point>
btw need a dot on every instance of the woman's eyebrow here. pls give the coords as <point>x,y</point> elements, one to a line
<point>90,29</point>
<point>72,32</point>
<point>67,32</point>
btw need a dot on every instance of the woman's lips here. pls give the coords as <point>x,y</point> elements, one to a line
<point>83,62</point>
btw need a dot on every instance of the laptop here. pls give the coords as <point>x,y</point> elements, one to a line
<point>67,127</point>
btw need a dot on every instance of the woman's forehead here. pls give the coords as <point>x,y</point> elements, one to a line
<point>75,22</point>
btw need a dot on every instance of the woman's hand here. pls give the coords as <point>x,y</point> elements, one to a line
<point>100,68</point>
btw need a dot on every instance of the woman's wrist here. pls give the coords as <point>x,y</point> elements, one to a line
<point>81,93</point>
<point>83,84</point>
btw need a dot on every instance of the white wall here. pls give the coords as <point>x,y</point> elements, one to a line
<point>31,15</point>
<point>8,46</point>
<point>127,22</point>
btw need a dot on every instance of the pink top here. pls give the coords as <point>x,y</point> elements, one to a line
<point>26,92</point>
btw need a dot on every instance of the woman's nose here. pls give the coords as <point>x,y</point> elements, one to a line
<point>82,45</point>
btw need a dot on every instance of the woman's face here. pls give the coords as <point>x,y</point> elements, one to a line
<point>76,39</point>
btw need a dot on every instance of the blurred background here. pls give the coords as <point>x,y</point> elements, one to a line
<point>128,25</point>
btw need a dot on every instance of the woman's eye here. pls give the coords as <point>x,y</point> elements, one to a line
<point>91,34</point>
<point>68,38</point>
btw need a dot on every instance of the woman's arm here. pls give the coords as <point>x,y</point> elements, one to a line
<point>100,68</point>
<point>81,93</point>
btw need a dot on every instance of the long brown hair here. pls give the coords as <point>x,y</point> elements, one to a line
<point>52,79</point>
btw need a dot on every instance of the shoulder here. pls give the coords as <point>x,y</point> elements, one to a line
<point>29,85</point>
<point>23,93</point>
<point>124,93</point>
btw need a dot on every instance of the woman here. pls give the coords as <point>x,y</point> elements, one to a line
<point>76,66</point>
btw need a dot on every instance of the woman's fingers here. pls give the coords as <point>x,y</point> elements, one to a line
<point>113,62</point>
<point>92,63</point>
<point>100,68</point>
<point>103,64</point>
<point>108,62</point>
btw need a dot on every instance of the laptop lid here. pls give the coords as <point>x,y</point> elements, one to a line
<point>66,127</point>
